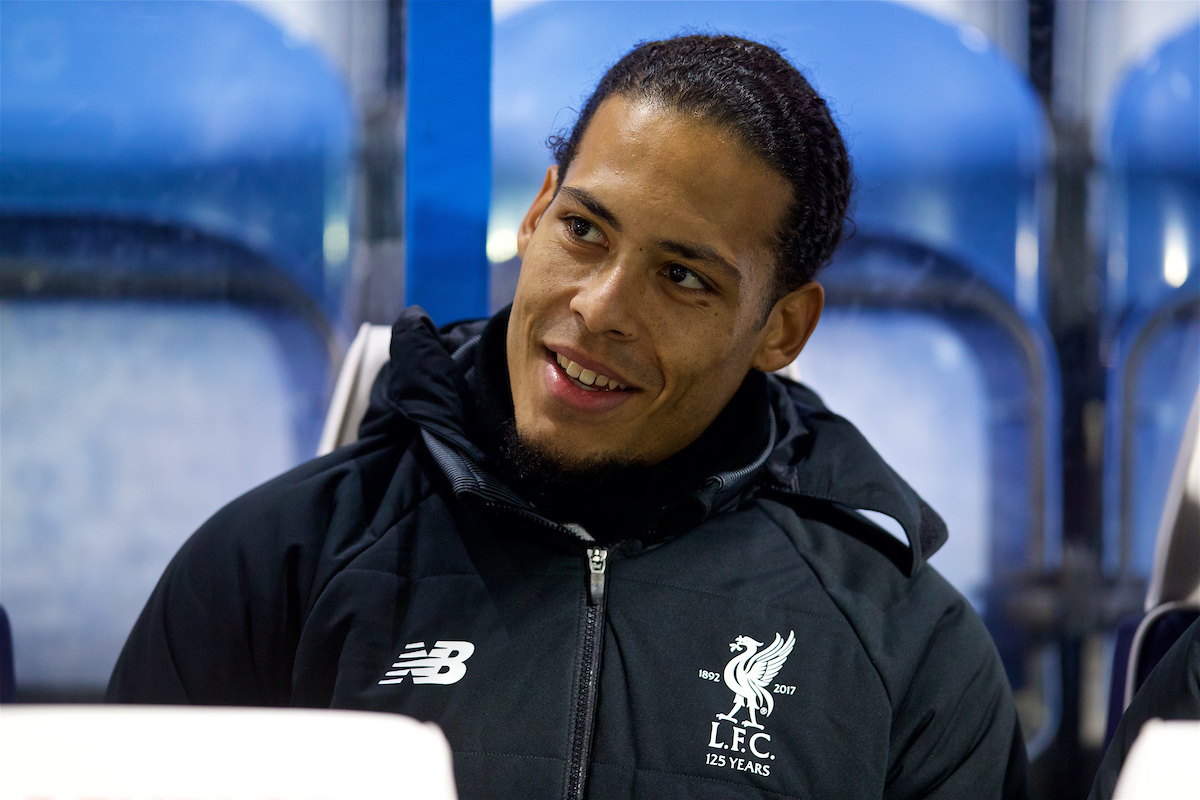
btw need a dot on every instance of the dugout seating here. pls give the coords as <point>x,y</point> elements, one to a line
<point>1152,350</point>
<point>173,235</point>
<point>1152,309</point>
<point>1173,594</point>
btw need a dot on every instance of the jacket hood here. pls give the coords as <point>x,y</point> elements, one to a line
<point>812,455</point>
<point>823,457</point>
<point>425,383</point>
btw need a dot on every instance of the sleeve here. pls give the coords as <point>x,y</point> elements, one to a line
<point>1171,691</point>
<point>955,733</point>
<point>223,623</point>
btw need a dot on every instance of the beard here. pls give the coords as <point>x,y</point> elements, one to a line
<point>565,486</point>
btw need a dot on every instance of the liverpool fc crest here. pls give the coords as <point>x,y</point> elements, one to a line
<point>750,674</point>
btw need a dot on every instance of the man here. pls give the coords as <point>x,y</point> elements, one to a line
<point>593,538</point>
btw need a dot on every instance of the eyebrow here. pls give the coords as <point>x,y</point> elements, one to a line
<point>589,201</point>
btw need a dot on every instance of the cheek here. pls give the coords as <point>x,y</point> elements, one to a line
<point>542,271</point>
<point>694,377</point>
<point>698,342</point>
<point>532,293</point>
<point>709,359</point>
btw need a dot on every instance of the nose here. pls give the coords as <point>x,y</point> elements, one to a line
<point>607,301</point>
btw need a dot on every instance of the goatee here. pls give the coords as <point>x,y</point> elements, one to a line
<point>561,485</point>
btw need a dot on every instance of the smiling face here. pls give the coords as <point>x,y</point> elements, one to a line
<point>639,307</point>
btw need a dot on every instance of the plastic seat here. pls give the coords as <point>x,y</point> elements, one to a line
<point>1152,309</point>
<point>367,354</point>
<point>172,256</point>
<point>1173,597</point>
<point>204,117</point>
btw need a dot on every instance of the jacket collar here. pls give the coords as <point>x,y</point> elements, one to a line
<point>812,454</point>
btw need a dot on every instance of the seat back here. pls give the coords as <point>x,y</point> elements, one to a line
<point>1173,595</point>
<point>204,117</point>
<point>1176,574</point>
<point>352,394</point>
<point>173,248</point>
<point>1152,310</point>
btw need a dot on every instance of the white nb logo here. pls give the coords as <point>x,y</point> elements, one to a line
<point>443,663</point>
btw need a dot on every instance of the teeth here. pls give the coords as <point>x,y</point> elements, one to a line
<point>586,376</point>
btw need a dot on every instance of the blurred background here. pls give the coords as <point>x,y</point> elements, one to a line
<point>201,202</point>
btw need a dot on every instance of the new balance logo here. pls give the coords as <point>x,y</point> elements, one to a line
<point>443,663</point>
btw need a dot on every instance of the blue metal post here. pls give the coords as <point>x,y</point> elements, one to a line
<point>448,175</point>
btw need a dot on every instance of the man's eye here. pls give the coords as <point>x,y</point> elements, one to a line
<point>684,277</point>
<point>584,230</point>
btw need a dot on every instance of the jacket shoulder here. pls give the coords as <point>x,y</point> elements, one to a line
<point>221,626</point>
<point>866,570</point>
<point>312,500</point>
<point>953,718</point>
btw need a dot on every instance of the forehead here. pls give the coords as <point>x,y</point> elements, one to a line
<point>665,174</point>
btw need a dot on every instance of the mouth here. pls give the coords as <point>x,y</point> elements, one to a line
<point>587,379</point>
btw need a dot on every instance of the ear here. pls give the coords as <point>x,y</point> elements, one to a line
<point>534,215</point>
<point>788,327</point>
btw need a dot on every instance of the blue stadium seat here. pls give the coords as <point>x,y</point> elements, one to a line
<point>200,115</point>
<point>173,254</point>
<point>1152,327</point>
<point>933,340</point>
<point>1173,595</point>
<point>1152,312</point>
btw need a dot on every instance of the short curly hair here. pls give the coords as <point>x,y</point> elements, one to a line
<point>752,92</point>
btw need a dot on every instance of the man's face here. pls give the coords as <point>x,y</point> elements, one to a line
<point>639,307</point>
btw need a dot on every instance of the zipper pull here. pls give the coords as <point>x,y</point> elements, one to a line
<point>597,569</point>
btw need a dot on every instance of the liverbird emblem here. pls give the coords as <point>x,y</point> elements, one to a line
<point>749,675</point>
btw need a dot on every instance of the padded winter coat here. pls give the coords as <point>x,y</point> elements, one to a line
<point>779,646</point>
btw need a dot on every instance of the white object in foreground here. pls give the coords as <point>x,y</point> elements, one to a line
<point>175,752</point>
<point>1162,763</point>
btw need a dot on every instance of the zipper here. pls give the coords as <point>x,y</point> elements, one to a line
<point>583,720</point>
<point>597,572</point>
<point>588,678</point>
<point>588,665</point>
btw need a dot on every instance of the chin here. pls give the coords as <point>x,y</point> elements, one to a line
<point>548,450</point>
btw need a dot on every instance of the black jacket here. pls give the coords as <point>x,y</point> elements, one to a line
<point>399,574</point>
